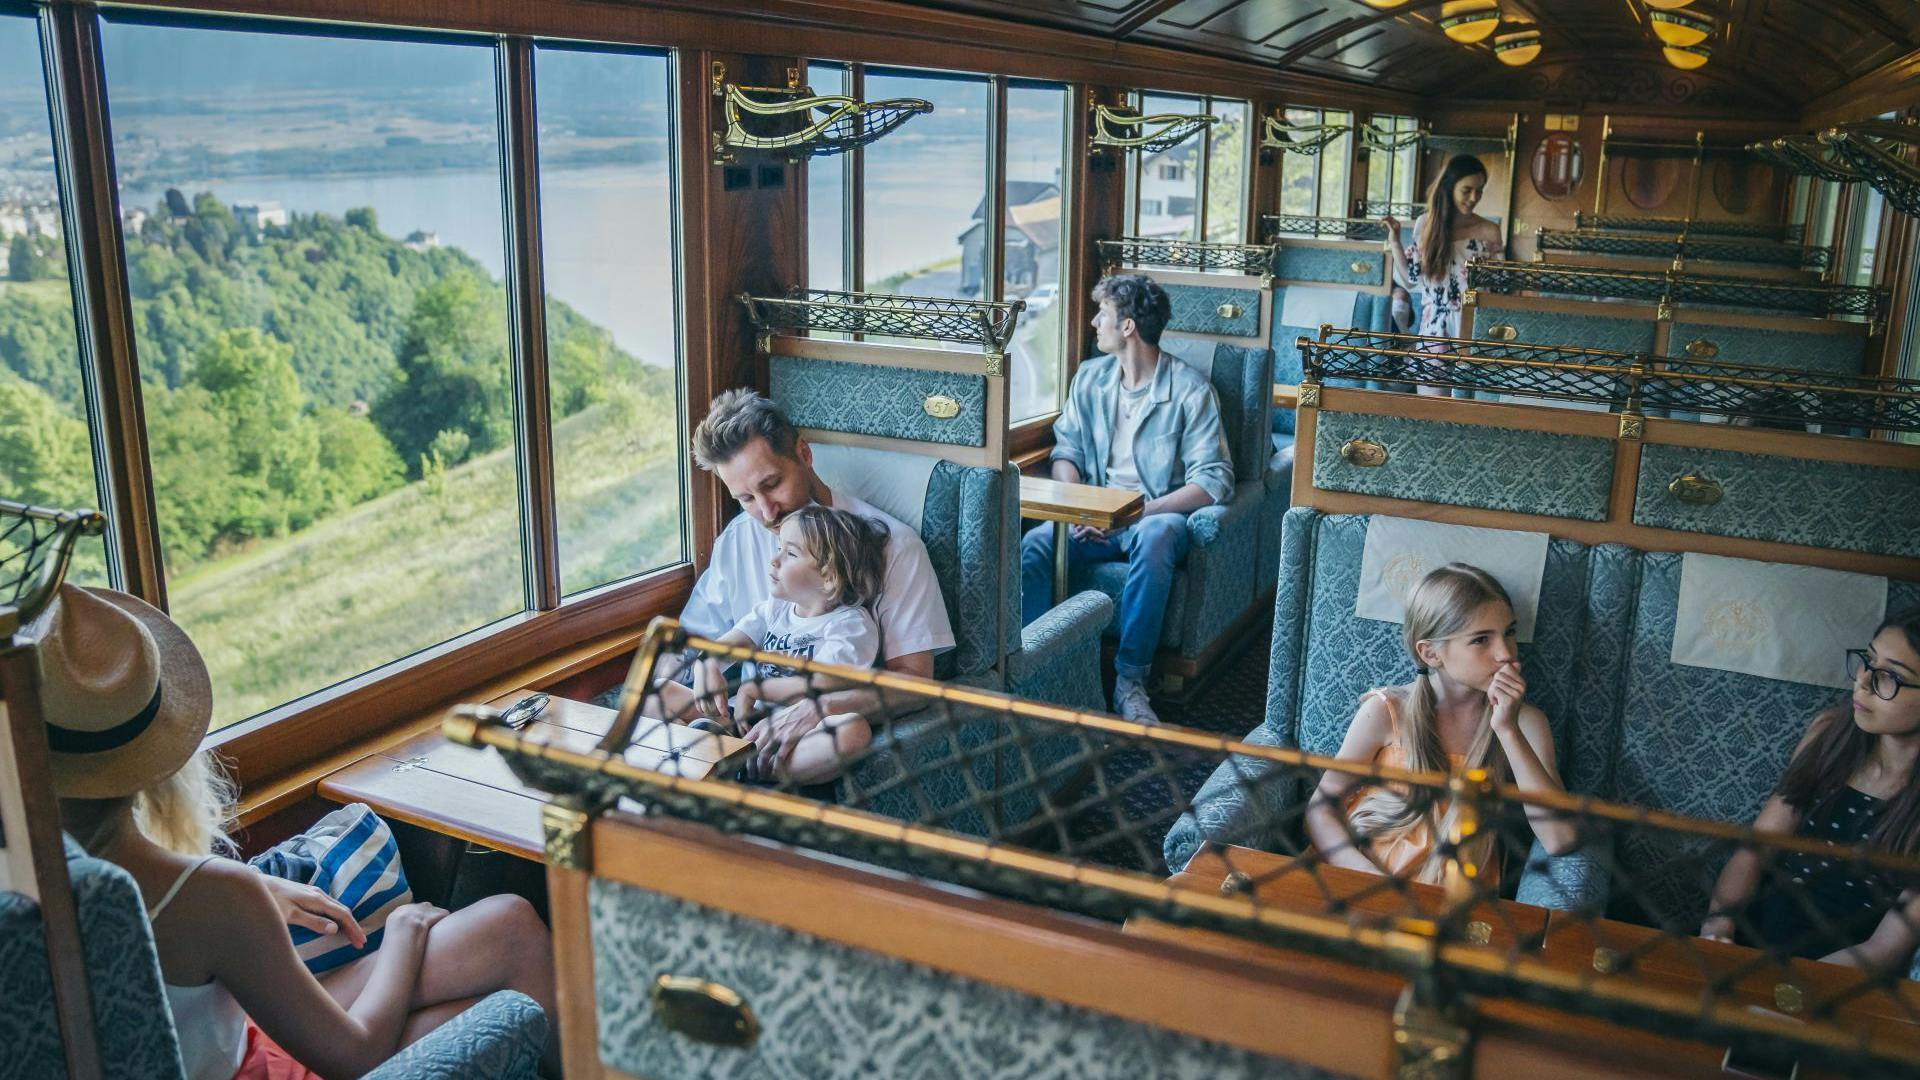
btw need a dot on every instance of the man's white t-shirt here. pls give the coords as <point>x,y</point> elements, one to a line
<point>1129,406</point>
<point>911,614</point>
<point>845,635</point>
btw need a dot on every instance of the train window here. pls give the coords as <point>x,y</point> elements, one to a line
<point>1315,185</point>
<point>1030,267</point>
<point>1390,173</point>
<point>46,456</point>
<point>1825,210</point>
<point>1869,208</point>
<point>1226,180</point>
<point>322,331</point>
<point>827,234</point>
<point>1197,190</point>
<point>925,198</point>
<point>606,223</point>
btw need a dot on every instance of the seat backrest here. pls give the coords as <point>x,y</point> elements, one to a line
<point>1325,656</point>
<point>968,518</point>
<point>1242,379</point>
<point>131,1019</point>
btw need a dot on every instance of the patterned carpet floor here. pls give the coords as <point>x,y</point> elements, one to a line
<point>1136,796</point>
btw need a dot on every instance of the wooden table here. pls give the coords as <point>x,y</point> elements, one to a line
<point>1067,504</point>
<point>1605,946</point>
<point>472,795</point>
<point>1284,881</point>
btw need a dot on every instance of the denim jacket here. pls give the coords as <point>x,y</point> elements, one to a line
<point>1180,439</point>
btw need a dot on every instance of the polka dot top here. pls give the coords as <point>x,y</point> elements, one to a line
<point>1850,898</point>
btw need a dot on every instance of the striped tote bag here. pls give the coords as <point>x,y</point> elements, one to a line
<point>351,856</point>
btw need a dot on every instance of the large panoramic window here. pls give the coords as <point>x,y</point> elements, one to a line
<point>827,197</point>
<point>1315,185</point>
<point>315,254</point>
<point>925,200</point>
<point>1031,268</point>
<point>606,214</point>
<point>1863,247</point>
<point>46,456</point>
<point>1198,189</point>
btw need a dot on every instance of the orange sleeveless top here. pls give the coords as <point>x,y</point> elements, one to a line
<point>1407,852</point>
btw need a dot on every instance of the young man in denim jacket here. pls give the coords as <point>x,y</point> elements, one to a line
<point>1140,419</point>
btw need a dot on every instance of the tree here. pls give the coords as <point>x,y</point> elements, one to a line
<point>363,217</point>
<point>276,484</point>
<point>453,371</point>
<point>24,261</point>
<point>44,455</point>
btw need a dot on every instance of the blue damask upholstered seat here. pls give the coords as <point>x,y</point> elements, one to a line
<point>1219,580</point>
<point>1628,724</point>
<point>501,1036</point>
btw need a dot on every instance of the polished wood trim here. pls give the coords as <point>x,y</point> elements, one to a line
<point>103,306</point>
<point>1031,460</point>
<point>1045,499</point>
<point>1492,301</point>
<point>1035,433</point>
<point>916,356</point>
<point>1790,444</point>
<point>442,802</point>
<point>579,1019</point>
<point>1892,86</point>
<point>279,756</point>
<point>527,321</point>
<point>35,853</point>
<point>1496,414</point>
<point>1002,943</point>
<point>701,371</point>
<point>1799,324</point>
<point>1286,396</point>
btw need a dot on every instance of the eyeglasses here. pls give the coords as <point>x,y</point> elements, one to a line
<point>1884,684</point>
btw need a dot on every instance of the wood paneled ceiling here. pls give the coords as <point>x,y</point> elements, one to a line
<point>1769,56</point>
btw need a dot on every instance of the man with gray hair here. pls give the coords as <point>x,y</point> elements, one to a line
<point>767,467</point>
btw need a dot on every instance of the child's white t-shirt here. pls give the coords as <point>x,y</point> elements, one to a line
<point>845,635</point>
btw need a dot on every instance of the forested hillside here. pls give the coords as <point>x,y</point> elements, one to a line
<point>291,371</point>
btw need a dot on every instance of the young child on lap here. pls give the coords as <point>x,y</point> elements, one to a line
<point>827,571</point>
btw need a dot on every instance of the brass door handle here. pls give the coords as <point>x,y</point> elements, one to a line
<point>706,1011</point>
<point>1702,349</point>
<point>1364,453</point>
<point>1229,311</point>
<point>1359,266</point>
<point>1501,332</point>
<point>1695,490</point>
<point>940,407</point>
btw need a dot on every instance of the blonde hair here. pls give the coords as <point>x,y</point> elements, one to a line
<point>1441,606</point>
<point>188,813</point>
<point>850,549</point>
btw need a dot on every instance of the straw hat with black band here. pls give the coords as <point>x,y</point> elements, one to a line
<point>124,693</point>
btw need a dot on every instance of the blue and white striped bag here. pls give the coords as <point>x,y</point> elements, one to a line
<point>351,856</point>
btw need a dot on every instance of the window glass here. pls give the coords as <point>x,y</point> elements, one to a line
<point>606,216</point>
<point>46,457</point>
<point>1870,207</point>
<point>1032,268</point>
<point>926,190</point>
<point>1825,209</point>
<point>1299,173</point>
<point>827,196</point>
<point>1332,165</point>
<point>1390,172</point>
<point>1167,200</point>
<point>315,250</point>
<point>1227,172</point>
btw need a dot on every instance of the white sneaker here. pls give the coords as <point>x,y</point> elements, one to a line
<point>1130,701</point>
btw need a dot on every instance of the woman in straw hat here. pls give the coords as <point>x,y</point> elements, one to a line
<point>127,701</point>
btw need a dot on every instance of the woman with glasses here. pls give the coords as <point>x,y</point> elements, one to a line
<point>1852,781</point>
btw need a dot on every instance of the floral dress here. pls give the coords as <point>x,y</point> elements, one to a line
<point>1440,300</point>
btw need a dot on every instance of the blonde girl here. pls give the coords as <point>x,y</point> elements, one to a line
<point>127,701</point>
<point>1464,709</point>
<point>1852,780</point>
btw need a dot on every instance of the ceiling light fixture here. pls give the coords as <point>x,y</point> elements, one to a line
<point>1517,49</point>
<point>1680,28</point>
<point>1668,5</point>
<point>1383,4</point>
<point>1687,57</point>
<point>1468,21</point>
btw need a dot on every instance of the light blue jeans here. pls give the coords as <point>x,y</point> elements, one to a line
<point>1151,548</point>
